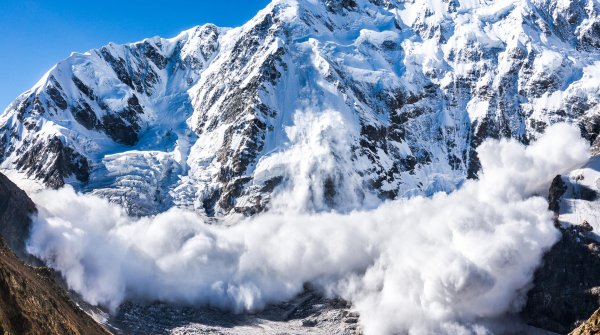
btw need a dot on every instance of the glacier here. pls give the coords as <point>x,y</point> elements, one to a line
<point>387,98</point>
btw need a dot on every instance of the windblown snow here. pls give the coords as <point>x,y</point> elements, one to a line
<point>442,264</point>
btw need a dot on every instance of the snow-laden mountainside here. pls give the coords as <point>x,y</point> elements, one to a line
<point>358,100</point>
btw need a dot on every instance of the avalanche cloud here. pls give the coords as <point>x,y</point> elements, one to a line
<point>421,265</point>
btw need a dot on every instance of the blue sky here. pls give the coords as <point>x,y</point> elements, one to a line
<point>36,34</point>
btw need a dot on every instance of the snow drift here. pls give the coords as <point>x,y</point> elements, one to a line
<point>422,265</point>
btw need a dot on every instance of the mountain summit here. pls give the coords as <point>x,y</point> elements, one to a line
<point>358,100</point>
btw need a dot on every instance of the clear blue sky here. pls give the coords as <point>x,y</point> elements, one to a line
<point>36,34</point>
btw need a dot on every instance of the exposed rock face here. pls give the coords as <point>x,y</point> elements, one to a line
<point>394,96</point>
<point>567,287</point>
<point>30,300</point>
<point>15,211</point>
<point>557,190</point>
<point>590,327</point>
<point>51,161</point>
<point>31,303</point>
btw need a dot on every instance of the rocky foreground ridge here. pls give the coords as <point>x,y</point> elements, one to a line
<point>30,300</point>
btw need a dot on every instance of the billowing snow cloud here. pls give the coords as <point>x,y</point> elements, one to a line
<point>422,266</point>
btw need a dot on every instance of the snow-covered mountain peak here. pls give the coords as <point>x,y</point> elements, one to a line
<point>340,103</point>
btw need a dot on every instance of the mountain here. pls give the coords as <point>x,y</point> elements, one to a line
<point>318,99</point>
<point>313,105</point>
<point>30,300</point>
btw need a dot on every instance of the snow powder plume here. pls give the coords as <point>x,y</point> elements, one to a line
<point>317,165</point>
<point>422,265</point>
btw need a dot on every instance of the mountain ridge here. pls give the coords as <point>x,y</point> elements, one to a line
<point>385,99</point>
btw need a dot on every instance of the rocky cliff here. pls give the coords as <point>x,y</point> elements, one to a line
<point>30,300</point>
<point>15,216</point>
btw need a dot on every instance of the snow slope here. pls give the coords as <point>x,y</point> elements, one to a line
<point>312,104</point>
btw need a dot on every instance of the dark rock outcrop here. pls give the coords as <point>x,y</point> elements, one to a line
<point>52,161</point>
<point>557,189</point>
<point>590,327</point>
<point>32,303</point>
<point>15,211</point>
<point>30,300</point>
<point>566,288</point>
